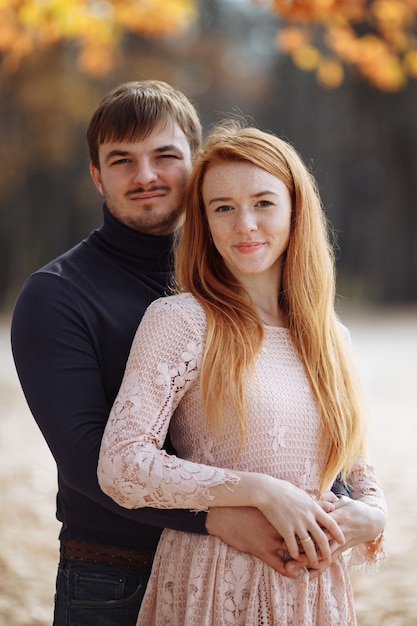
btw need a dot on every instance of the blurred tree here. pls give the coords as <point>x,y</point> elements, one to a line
<point>376,37</point>
<point>96,26</point>
<point>363,141</point>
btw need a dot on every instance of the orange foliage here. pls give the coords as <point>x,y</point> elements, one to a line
<point>330,73</point>
<point>95,25</point>
<point>318,10</point>
<point>291,38</point>
<point>377,37</point>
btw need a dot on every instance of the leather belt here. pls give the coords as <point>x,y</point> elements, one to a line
<point>108,555</point>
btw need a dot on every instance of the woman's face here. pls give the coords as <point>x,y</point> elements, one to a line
<point>249,216</point>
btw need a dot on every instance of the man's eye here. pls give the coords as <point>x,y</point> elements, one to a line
<point>120,161</point>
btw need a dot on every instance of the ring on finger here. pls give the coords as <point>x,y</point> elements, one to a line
<point>305,539</point>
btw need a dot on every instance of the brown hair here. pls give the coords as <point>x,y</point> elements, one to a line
<point>307,297</point>
<point>133,110</point>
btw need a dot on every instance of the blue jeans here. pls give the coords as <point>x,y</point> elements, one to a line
<point>88,594</point>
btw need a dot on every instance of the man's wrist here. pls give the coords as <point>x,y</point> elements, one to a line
<point>211,517</point>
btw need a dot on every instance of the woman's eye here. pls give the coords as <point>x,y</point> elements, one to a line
<point>223,209</point>
<point>264,203</point>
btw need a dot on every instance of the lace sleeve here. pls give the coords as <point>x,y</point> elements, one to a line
<point>366,488</point>
<point>163,364</point>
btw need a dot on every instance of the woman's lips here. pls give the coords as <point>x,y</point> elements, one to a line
<point>248,247</point>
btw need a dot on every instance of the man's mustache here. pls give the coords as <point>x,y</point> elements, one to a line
<point>139,190</point>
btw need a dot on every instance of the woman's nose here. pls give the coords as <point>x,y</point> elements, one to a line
<point>246,222</point>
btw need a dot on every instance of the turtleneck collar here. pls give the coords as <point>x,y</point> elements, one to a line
<point>146,252</point>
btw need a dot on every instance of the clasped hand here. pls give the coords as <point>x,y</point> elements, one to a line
<point>303,523</point>
<point>248,530</point>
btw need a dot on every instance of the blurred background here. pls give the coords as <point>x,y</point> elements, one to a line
<point>338,79</point>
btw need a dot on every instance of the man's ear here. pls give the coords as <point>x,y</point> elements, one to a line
<point>95,175</point>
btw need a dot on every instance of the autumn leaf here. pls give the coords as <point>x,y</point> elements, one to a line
<point>291,38</point>
<point>375,38</point>
<point>306,57</point>
<point>410,63</point>
<point>96,26</point>
<point>330,73</point>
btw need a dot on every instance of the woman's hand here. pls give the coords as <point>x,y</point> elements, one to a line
<point>358,521</point>
<point>296,516</point>
<point>301,521</point>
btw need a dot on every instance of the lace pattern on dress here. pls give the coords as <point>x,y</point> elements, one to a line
<point>198,580</point>
<point>367,489</point>
<point>133,469</point>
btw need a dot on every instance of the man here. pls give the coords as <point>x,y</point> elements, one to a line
<point>72,328</point>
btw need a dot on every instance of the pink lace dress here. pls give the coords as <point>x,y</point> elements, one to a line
<point>199,580</point>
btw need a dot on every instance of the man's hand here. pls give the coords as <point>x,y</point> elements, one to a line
<point>246,529</point>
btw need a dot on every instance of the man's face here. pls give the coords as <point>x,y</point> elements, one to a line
<point>142,182</point>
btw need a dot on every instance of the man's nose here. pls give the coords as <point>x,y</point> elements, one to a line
<point>145,173</point>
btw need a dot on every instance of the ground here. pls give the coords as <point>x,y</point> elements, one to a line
<point>385,347</point>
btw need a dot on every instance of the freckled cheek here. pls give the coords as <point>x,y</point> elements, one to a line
<point>219,243</point>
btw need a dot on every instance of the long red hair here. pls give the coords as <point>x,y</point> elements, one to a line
<point>234,330</point>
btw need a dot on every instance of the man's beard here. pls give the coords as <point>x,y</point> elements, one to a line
<point>148,223</point>
<point>149,220</point>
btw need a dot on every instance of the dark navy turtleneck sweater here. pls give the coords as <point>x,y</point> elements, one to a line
<point>72,328</point>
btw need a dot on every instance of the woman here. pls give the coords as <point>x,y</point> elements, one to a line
<point>250,369</point>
